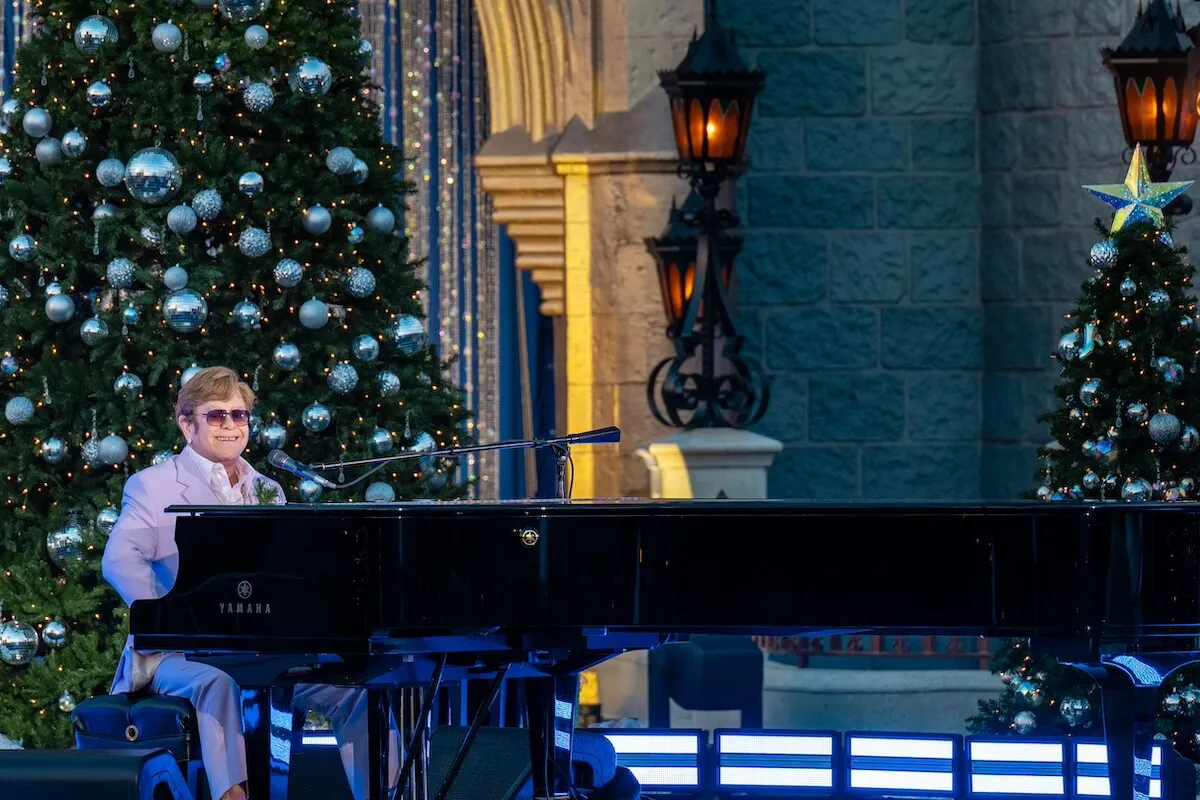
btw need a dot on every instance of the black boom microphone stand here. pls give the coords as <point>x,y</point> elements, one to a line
<point>559,445</point>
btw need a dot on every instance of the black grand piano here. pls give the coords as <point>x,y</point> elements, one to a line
<point>385,596</point>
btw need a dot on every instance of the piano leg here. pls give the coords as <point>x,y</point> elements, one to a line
<point>380,708</point>
<point>551,705</point>
<point>267,726</point>
<point>415,731</point>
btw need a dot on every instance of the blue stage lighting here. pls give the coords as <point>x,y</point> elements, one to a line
<point>1091,769</point>
<point>798,763</point>
<point>1016,767</point>
<point>886,763</point>
<point>661,760</point>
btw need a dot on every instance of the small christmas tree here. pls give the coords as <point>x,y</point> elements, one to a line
<point>1127,425</point>
<point>182,184</point>
<point>1040,695</point>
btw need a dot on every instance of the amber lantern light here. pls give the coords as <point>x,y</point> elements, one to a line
<point>1154,72</point>
<point>712,94</point>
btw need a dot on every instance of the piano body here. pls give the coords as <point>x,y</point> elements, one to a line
<point>393,595</point>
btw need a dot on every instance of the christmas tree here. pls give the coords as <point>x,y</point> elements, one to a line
<point>187,185</point>
<point>1125,427</point>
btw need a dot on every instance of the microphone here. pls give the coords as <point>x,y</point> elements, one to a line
<point>281,460</point>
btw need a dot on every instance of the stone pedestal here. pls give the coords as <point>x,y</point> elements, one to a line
<point>709,463</point>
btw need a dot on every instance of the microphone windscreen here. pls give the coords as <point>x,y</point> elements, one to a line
<point>278,459</point>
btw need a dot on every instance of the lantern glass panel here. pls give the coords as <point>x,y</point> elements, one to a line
<point>1141,110</point>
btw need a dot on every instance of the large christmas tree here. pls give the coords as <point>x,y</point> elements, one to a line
<point>1128,421</point>
<point>187,185</point>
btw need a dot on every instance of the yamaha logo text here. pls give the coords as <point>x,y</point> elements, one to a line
<point>245,590</point>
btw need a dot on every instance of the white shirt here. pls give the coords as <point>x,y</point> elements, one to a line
<point>237,494</point>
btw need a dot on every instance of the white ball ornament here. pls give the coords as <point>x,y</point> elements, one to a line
<point>37,122</point>
<point>256,37</point>
<point>166,37</point>
<point>314,314</point>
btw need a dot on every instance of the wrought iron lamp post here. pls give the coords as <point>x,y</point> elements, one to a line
<point>712,95</point>
<point>1155,71</point>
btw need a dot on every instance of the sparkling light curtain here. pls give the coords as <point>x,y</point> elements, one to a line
<point>429,65</point>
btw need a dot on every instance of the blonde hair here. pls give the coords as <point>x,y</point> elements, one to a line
<point>208,385</point>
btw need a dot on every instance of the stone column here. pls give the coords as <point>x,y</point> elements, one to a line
<point>710,463</point>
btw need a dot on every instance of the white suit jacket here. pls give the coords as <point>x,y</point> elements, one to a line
<point>141,559</point>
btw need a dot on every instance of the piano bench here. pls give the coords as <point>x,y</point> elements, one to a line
<point>140,721</point>
<point>707,673</point>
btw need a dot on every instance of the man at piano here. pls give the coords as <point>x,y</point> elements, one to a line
<point>141,561</point>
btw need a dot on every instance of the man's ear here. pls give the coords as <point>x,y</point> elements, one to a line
<point>183,427</point>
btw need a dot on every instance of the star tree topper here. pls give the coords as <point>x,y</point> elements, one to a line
<point>1137,199</point>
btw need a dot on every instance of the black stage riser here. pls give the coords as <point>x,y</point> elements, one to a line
<point>90,775</point>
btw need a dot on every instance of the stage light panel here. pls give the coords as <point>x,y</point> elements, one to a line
<point>1091,769</point>
<point>917,766</point>
<point>1016,768</point>
<point>776,760</point>
<point>661,760</point>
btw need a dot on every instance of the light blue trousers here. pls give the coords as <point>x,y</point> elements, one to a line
<point>217,700</point>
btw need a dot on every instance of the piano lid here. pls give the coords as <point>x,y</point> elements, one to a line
<point>649,507</point>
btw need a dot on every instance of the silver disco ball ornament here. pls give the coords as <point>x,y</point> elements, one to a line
<point>175,278</point>
<point>54,633</point>
<point>1137,490</point>
<point>254,242</point>
<point>288,273</point>
<point>1068,346</point>
<point>8,112</point>
<point>166,37</point>
<point>388,382</point>
<point>365,348</point>
<point>286,356</point>
<point>153,176</point>
<point>247,316</point>
<point>1164,428</point>
<point>364,52</point>
<point>22,247</point>
<point>6,169</point>
<point>188,374</point>
<point>250,184</point>
<point>256,37</point>
<point>107,518</point>
<point>54,450</point>
<point>90,450</point>
<point>185,311</point>
<point>1189,439</point>
<point>381,220</point>
<point>182,220</point>
<point>1137,413</point>
<point>66,543</point>
<point>310,77</point>
<point>309,491</point>
<point>207,204</point>
<point>1159,299</point>
<point>407,334</point>
<point>37,122</point>
<point>1024,722</point>
<point>343,378</point>
<point>316,417</point>
<point>60,308</point>
<point>48,151</point>
<point>273,437</point>
<point>314,314</point>
<point>242,10</point>
<point>1089,393</point>
<point>1104,254</point>
<point>130,315</point>
<point>113,449</point>
<point>258,97</point>
<point>110,172</point>
<point>93,331</point>
<point>360,282</point>
<point>127,386</point>
<point>360,172</point>
<point>380,492</point>
<point>317,219</point>
<point>1075,710</point>
<point>202,83</point>
<point>381,441</point>
<point>340,160</point>
<point>18,643</point>
<point>424,443</point>
<point>120,273</point>
<point>99,94</point>
<point>74,143</point>
<point>94,32</point>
